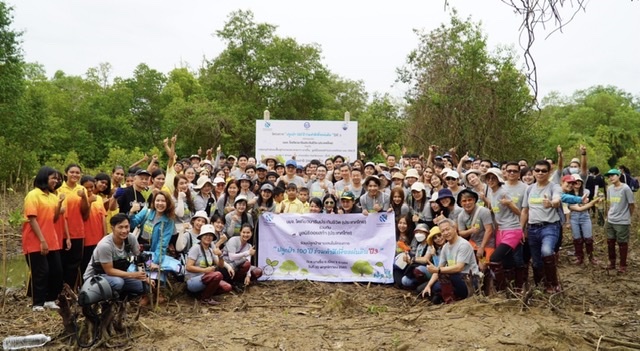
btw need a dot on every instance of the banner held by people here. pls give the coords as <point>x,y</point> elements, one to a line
<point>330,248</point>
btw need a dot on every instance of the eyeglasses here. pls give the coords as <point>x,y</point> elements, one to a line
<point>329,203</point>
<point>450,178</point>
<point>540,170</point>
<point>513,171</point>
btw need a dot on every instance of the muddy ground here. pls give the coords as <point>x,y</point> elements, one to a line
<point>598,310</point>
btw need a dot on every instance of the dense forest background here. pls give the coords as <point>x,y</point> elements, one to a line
<point>461,94</point>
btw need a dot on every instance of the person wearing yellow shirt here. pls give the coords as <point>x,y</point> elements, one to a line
<point>303,196</point>
<point>291,204</point>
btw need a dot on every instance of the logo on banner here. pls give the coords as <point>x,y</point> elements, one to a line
<point>307,125</point>
<point>268,218</point>
<point>383,218</point>
<point>267,124</point>
<point>345,126</point>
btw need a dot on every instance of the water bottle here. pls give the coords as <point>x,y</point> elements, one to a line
<point>24,342</point>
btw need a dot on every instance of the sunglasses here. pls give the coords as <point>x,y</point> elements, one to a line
<point>329,203</point>
<point>513,171</point>
<point>540,170</point>
<point>450,178</point>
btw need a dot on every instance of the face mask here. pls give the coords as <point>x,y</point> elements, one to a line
<point>574,170</point>
<point>420,237</point>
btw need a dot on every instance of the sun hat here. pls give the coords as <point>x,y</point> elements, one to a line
<point>496,172</point>
<point>577,177</point>
<point>418,186</point>
<point>434,197</point>
<point>412,173</point>
<point>201,214</point>
<point>201,182</point>
<point>466,176</point>
<point>398,175</point>
<point>206,229</point>
<point>432,234</point>
<point>240,198</point>
<point>452,174</point>
<point>466,191</point>
<point>445,193</point>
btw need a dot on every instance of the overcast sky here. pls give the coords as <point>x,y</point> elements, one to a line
<point>360,40</point>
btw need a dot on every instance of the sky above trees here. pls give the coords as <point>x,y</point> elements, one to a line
<point>359,40</point>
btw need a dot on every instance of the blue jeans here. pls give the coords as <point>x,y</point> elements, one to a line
<point>410,280</point>
<point>581,225</point>
<point>542,241</point>
<point>195,284</point>
<point>125,285</point>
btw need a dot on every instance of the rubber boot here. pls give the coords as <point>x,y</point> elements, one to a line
<point>509,278</point>
<point>488,283</point>
<point>624,249</point>
<point>579,254</point>
<point>498,273</point>
<point>551,283</point>
<point>588,244</point>
<point>611,248</point>
<point>538,274</point>
<point>521,278</point>
<point>446,289</point>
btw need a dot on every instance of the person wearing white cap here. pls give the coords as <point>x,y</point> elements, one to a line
<point>452,180</point>
<point>265,202</point>
<point>238,217</point>
<point>420,211</point>
<point>204,266</point>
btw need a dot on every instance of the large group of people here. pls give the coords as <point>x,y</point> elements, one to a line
<point>463,225</point>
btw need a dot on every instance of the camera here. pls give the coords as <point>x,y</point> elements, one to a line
<point>141,260</point>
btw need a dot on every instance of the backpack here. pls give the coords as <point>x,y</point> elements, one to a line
<point>632,182</point>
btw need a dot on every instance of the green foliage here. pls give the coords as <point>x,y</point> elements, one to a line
<point>289,267</point>
<point>362,267</point>
<point>462,95</point>
<point>272,263</point>
<point>604,119</point>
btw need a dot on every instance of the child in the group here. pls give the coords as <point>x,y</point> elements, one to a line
<point>291,204</point>
<point>278,197</point>
<point>303,196</point>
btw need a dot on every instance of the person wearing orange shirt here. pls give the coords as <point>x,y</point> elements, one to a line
<point>95,227</point>
<point>40,243</point>
<point>76,213</point>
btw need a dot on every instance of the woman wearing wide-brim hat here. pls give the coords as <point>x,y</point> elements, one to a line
<point>204,263</point>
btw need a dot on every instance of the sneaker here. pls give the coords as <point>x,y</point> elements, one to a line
<point>38,309</point>
<point>210,302</point>
<point>52,305</point>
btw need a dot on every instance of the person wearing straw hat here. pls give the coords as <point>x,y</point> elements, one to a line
<point>454,278</point>
<point>204,265</point>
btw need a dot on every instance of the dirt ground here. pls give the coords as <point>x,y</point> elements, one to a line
<point>598,310</point>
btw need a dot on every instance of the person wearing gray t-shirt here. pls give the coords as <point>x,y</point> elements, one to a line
<point>622,205</point>
<point>541,220</point>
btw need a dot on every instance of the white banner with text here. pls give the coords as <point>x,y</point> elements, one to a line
<point>307,140</point>
<point>327,247</point>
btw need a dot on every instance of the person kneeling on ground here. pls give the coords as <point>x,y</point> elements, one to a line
<point>111,259</point>
<point>204,263</point>
<point>238,252</point>
<point>454,278</point>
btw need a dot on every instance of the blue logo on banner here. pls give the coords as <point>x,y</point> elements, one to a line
<point>307,125</point>
<point>268,217</point>
<point>345,126</point>
<point>383,218</point>
<point>267,124</point>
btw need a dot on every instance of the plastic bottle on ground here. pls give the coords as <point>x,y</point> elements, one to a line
<point>24,342</point>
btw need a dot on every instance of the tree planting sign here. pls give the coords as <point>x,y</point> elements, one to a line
<point>307,140</point>
<point>327,247</point>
